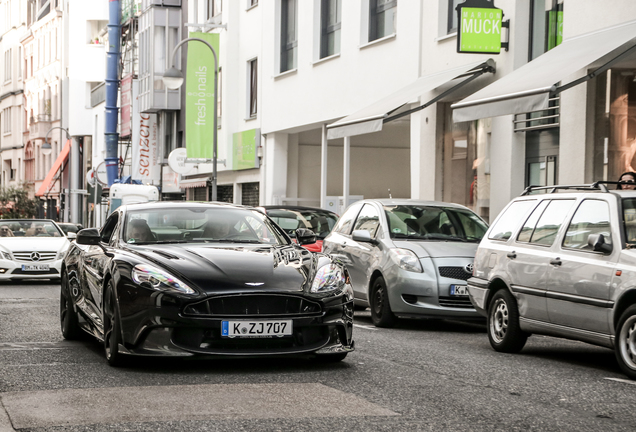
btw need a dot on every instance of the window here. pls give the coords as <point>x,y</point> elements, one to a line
<point>550,221</point>
<point>368,220</point>
<point>381,18</point>
<point>289,42</point>
<point>592,217</point>
<point>252,3</point>
<point>452,16</point>
<point>7,65</point>
<point>109,228</point>
<point>346,220</point>
<point>509,220</point>
<point>6,121</point>
<point>253,87</point>
<point>546,26</point>
<point>528,227</point>
<point>213,8</point>
<point>20,62</point>
<point>330,17</point>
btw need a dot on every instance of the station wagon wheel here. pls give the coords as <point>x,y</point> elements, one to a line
<point>68,317</point>
<point>504,332</point>
<point>112,328</point>
<point>626,342</point>
<point>381,313</point>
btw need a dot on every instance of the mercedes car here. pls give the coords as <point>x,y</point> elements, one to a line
<point>187,279</point>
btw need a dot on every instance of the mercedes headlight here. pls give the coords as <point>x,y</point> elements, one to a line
<point>159,279</point>
<point>61,254</point>
<point>328,278</point>
<point>6,255</point>
<point>406,260</point>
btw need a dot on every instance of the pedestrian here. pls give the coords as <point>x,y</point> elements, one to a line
<point>627,177</point>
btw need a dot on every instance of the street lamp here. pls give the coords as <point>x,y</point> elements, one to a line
<point>173,79</point>
<point>46,150</point>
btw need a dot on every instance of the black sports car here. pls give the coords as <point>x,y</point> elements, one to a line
<point>181,279</point>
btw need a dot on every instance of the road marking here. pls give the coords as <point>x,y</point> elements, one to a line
<point>27,346</point>
<point>365,327</point>
<point>49,408</point>
<point>622,380</point>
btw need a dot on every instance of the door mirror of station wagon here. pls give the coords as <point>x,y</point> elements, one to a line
<point>362,236</point>
<point>597,242</point>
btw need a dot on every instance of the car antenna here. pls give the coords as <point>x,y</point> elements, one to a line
<point>390,197</point>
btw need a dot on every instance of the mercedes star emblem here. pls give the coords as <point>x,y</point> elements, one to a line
<point>35,256</point>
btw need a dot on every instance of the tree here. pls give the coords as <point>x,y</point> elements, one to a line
<point>16,204</point>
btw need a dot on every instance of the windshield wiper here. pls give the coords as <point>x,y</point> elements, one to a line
<point>224,241</point>
<point>431,236</point>
<point>155,242</point>
<point>408,236</point>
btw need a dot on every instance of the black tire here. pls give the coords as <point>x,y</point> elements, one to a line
<point>69,323</point>
<point>381,313</point>
<point>625,347</point>
<point>331,358</point>
<point>504,332</point>
<point>112,328</point>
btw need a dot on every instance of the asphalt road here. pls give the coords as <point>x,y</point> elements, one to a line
<point>422,375</point>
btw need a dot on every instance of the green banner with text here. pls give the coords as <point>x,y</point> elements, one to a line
<point>199,100</point>
<point>244,149</point>
<point>479,30</point>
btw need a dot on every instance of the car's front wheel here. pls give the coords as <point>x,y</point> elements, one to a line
<point>112,328</point>
<point>504,331</point>
<point>68,317</point>
<point>381,313</point>
<point>626,342</point>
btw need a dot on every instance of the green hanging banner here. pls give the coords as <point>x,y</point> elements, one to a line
<point>199,100</point>
<point>479,26</point>
<point>244,149</point>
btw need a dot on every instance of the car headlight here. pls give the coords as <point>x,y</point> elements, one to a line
<point>406,260</point>
<point>328,278</point>
<point>6,255</point>
<point>61,254</point>
<point>159,279</point>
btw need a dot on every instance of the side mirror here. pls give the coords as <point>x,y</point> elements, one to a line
<point>71,235</point>
<point>362,236</point>
<point>305,236</point>
<point>597,242</point>
<point>88,236</point>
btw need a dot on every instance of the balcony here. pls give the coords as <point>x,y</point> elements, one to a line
<point>39,126</point>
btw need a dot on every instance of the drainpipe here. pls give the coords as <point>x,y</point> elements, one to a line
<point>112,90</point>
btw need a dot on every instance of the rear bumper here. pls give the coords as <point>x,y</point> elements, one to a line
<point>478,294</point>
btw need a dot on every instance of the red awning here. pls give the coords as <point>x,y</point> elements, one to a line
<point>48,181</point>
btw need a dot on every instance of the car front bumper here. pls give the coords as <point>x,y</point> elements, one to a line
<point>11,270</point>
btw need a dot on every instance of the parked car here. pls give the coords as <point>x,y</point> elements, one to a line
<point>183,279</point>
<point>408,258</point>
<point>290,218</point>
<point>561,264</point>
<point>31,249</point>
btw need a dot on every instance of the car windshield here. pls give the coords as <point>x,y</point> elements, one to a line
<point>200,225</point>
<point>421,222</point>
<point>67,228</point>
<point>29,228</point>
<point>319,221</point>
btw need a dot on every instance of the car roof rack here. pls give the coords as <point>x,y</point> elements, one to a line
<point>598,186</point>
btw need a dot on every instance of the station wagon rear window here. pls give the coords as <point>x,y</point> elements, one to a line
<point>510,220</point>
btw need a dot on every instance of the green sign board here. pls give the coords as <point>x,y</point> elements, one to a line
<point>555,28</point>
<point>479,26</point>
<point>244,146</point>
<point>199,100</point>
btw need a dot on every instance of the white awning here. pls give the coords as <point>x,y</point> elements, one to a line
<point>193,183</point>
<point>528,88</point>
<point>371,118</point>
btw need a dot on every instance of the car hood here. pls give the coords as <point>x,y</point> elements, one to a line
<point>214,268</point>
<point>438,249</point>
<point>31,244</point>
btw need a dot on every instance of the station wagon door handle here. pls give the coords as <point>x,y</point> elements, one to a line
<point>511,255</point>
<point>556,262</point>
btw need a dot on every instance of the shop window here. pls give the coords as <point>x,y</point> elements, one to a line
<point>466,164</point>
<point>249,194</point>
<point>225,193</point>
<point>546,26</point>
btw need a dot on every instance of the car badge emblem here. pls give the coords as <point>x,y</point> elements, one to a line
<point>254,283</point>
<point>469,269</point>
<point>35,256</point>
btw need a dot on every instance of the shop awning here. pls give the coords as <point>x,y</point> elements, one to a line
<point>47,184</point>
<point>194,183</point>
<point>371,118</point>
<point>529,87</point>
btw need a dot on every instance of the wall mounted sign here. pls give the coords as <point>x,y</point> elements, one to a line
<point>145,165</point>
<point>244,146</point>
<point>479,25</point>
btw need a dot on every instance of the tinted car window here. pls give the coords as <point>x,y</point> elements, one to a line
<point>109,227</point>
<point>434,223</point>
<point>368,220</point>
<point>319,221</point>
<point>346,220</point>
<point>592,217</point>
<point>629,218</point>
<point>29,228</point>
<point>509,220</point>
<point>528,228</point>
<point>550,221</point>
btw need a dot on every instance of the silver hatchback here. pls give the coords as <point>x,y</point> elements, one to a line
<point>407,258</point>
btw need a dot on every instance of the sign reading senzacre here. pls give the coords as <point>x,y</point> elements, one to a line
<point>145,150</point>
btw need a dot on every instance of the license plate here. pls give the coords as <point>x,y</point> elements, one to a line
<point>35,267</point>
<point>256,329</point>
<point>459,290</point>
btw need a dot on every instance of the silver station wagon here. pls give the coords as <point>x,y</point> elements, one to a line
<point>407,258</point>
<point>561,264</point>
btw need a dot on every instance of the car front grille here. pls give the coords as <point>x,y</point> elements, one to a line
<point>455,302</point>
<point>30,256</point>
<point>256,305</point>
<point>454,273</point>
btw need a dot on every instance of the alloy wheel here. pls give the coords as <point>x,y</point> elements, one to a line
<point>499,320</point>
<point>627,342</point>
